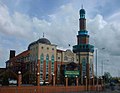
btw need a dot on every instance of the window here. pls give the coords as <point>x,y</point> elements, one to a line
<point>58,57</point>
<point>41,62</point>
<point>41,69</point>
<point>83,67</point>
<point>83,46</point>
<point>41,76</point>
<point>72,59</point>
<point>47,48</point>
<point>65,58</point>
<point>41,58</point>
<point>91,67</point>
<point>47,76</point>
<point>47,58</point>
<point>58,72</point>
<point>42,47</point>
<point>87,46</point>
<point>52,48</point>
<point>47,63</point>
<point>52,60</point>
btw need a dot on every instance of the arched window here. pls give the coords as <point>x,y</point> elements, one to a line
<point>47,58</point>
<point>47,66</point>
<point>41,59</point>
<point>91,67</point>
<point>65,58</point>
<point>52,60</point>
<point>41,66</point>
<point>83,67</point>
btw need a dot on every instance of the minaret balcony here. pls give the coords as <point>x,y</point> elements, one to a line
<point>82,32</point>
<point>83,48</point>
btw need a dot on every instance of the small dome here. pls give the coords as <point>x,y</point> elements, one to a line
<point>82,11</point>
<point>44,41</point>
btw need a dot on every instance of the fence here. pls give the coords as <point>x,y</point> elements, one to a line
<point>46,89</point>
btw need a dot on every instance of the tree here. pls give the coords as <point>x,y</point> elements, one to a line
<point>107,77</point>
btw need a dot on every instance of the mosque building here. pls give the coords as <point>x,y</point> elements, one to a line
<point>45,58</point>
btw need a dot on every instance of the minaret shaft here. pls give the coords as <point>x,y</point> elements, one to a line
<point>82,24</point>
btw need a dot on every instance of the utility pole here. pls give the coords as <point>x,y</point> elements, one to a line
<point>102,68</point>
<point>96,71</point>
<point>102,62</point>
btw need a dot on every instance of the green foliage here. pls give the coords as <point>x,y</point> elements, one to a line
<point>107,77</point>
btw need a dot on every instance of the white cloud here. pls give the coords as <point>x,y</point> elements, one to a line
<point>105,34</point>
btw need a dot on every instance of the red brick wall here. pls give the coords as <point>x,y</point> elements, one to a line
<point>45,89</point>
<point>82,24</point>
<point>83,40</point>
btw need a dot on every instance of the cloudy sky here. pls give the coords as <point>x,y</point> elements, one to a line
<point>24,21</point>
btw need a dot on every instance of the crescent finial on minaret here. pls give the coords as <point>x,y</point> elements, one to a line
<point>82,6</point>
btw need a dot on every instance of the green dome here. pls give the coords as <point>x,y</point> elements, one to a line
<point>82,11</point>
<point>44,41</point>
<point>41,40</point>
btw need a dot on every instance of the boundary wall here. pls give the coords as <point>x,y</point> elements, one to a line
<point>47,89</point>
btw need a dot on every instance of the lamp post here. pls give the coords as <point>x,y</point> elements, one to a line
<point>102,70</point>
<point>66,79</point>
<point>53,79</point>
<point>103,66</point>
<point>77,80</point>
<point>19,78</point>
<point>38,78</point>
<point>96,70</point>
<point>86,82</point>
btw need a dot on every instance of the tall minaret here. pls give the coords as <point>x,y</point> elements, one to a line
<point>83,37</point>
<point>84,50</point>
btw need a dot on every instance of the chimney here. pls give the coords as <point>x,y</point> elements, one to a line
<point>12,54</point>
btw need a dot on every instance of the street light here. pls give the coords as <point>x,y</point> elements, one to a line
<point>103,79</point>
<point>38,73</point>
<point>66,79</point>
<point>19,72</point>
<point>86,82</point>
<point>102,64</point>
<point>96,52</point>
<point>66,76</point>
<point>19,81</point>
<point>76,80</point>
<point>53,78</point>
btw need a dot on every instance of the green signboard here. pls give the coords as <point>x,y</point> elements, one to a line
<point>74,73</point>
